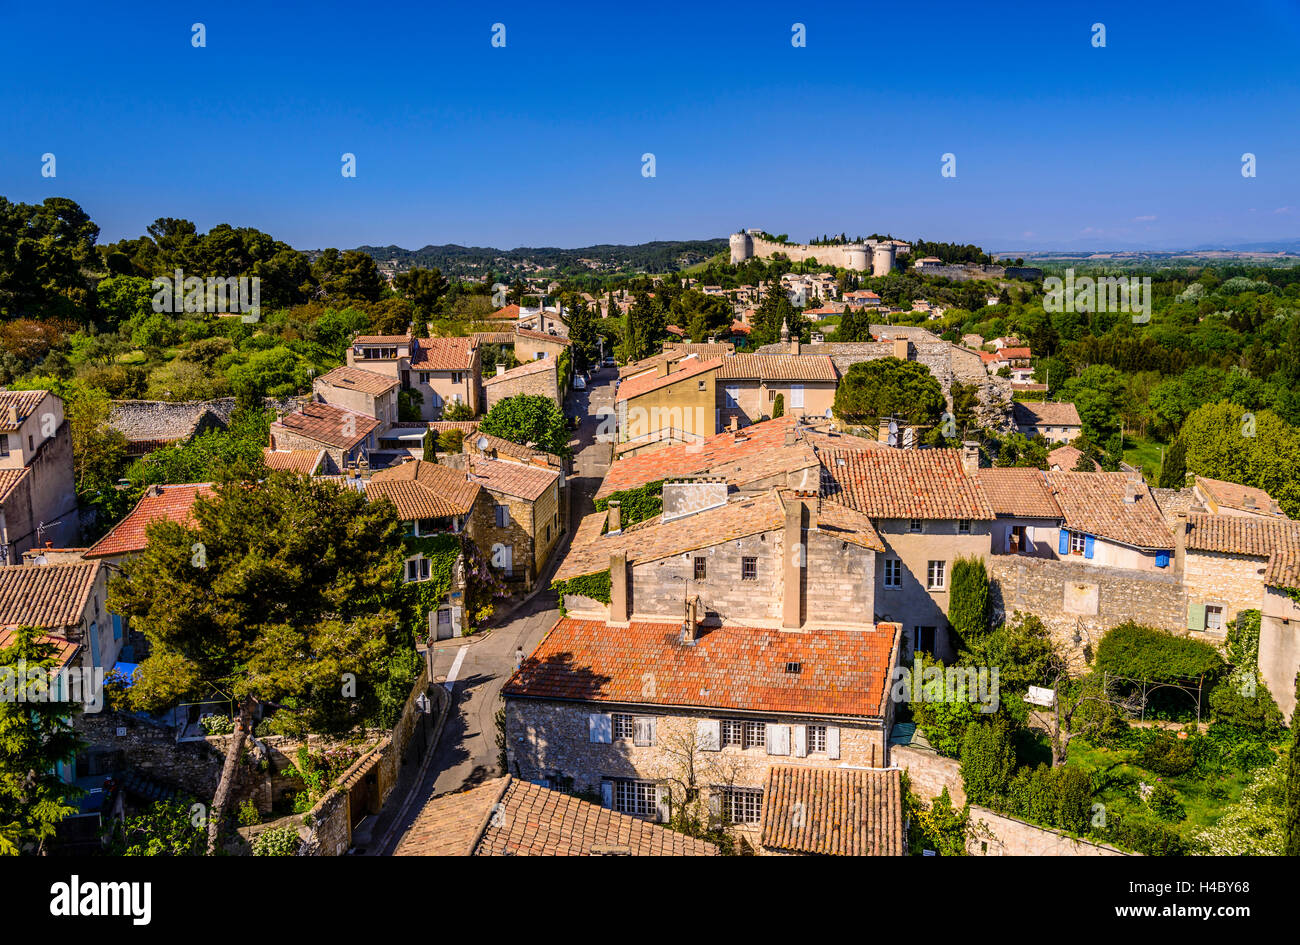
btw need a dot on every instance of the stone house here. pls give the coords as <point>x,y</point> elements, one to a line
<point>1027,520</point>
<point>67,602</point>
<point>38,498</point>
<point>346,437</point>
<point>662,713</point>
<point>151,424</point>
<point>360,391</point>
<point>129,537</point>
<point>748,385</point>
<point>440,370</point>
<point>1230,498</point>
<point>538,345</point>
<point>676,398</point>
<point>673,353</point>
<point>1110,520</point>
<point>928,509</point>
<point>521,524</point>
<point>1055,422</point>
<point>536,378</point>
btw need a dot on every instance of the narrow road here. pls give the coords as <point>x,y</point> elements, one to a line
<point>474,670</point>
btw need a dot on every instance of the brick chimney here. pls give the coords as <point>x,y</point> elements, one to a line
<point>691,623</point>
<point>900,349</point>
<point>970,457</point>
<point>1130,490</point>
<point>1180,541</point>
<point>615,516</point>
<point>620,611</point>
<point>796,557</point>
<point>501,369</point>
<point>733,423</point>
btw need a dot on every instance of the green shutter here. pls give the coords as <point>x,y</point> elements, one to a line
<point>1195,616</point>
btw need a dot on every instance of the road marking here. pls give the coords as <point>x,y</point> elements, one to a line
<point>455,668</point>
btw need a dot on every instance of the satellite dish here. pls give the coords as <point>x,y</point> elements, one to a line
<point>481,443</point>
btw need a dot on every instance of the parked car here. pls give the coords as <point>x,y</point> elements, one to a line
<point>579,383</point>
<point>609,362</point>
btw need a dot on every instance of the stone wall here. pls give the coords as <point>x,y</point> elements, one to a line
<point>999,835</point>
<point>929,773</point>
<point>115,741</point>
<point>1234,581</point>
<point>524,380</point>
<point>1071,597</point>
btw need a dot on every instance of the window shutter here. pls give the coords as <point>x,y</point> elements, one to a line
<point>1029,538</point>
<point>1195,616</point>
<point>715,805</point>
<point>662,797</point>
<point>1007,544</point>
<point>832,741</point>
<point>1065,542</point>
<point>1162,559</point>
<point>801,741</point>
<point>607,794</point>
<point>708,734</point>
<point>643,731</point>
<point>1088,541</point>
<point>600,728</point>
<point>778,739</point>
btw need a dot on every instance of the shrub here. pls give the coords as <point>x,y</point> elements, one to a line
<point>1167,756</point>
<point>1164,803</point>
<point>1139,652</point>
<point>277,841</point>
<point>217,725</point>
<point>248,814</point>
<point>968,602</point>
<point>988,760</point>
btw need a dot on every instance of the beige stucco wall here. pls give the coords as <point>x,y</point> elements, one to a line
<point>686,405</point>
<point>755,399</point>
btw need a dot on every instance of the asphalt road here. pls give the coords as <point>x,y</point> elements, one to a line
<point>474,670</point>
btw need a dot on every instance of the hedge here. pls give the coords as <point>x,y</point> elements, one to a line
<point>637,504</point>
<point>1145,653</point>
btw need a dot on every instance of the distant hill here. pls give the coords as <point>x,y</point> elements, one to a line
<point>603,260</point>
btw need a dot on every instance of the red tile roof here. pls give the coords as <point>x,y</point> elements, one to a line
<point>327,424</point>
<point>1067,457</point>
<point>1242,535</point>
<point>1021,492</point>
<point>382,340</point>
<point>159,503</point>
<point>843,672</point>
<point>64,651</point>
<point>1094,503</point>
<point>354,378</point>
<point>509,817</point>
<point>896,483</point>
<point>302,462</point>
<point>542,336</point>
<point>833,811</point>
<point>778,367</point>
<point>651,381</point>
<point>421,489</point>
<point>443,354</point>
<point>49,596</point>
<point>9,479</point>
<point>520,480</point>
<point>1045,414</point>
<point>23,402</point>
<point>1233,495</point>
<point>527,369</point>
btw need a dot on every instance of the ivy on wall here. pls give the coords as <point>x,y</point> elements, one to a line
<point>638,504</point>
<point>595,586</point>
<point>424,596</point>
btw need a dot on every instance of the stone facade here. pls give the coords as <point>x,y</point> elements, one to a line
<point>1078,603</point>
<point>1233,582</point>
<point>929,773</point>
<point>996,834</point>
<point>531,379</point>
<point>42,445</point>
<point>531,531</point>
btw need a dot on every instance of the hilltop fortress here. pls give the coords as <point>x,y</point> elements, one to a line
<point>874,256</point>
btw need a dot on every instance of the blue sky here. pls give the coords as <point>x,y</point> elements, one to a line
<point>1058,143</point>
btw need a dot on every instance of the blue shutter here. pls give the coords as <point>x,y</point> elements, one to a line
<point>1065,542</point>
<point>1162,559</point>
<point>1087,546</point>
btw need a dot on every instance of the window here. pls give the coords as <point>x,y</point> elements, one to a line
<point>1078,542</point>
<point>934,575</point>
<point>704,385</point>
<point>502,515</point>
<point>424,377</point>
<point>548,532</point>
<point>796,395</point>
<point>755,735</point>
<point>963,526</point>
<point>741,805</point>
<point>732,395</point>
<point>701,569</point>
<point>923,640</point>
<point>733,732</point>
<point>622,725</point>
<point>893,572</point>
<point>457,377</point>
<point>417,569</point>
<point>4,444</point>
<point>816,738</point>
<point>1213,617</point>
<point>748,569</point>
<point>914,525</point>
<point>639,798</point>
<point>771,394</point>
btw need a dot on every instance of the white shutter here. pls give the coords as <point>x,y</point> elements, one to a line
<point>715,805</point>
<point>1007,546</point>
<point>832,741</point>
<point>796,395</point>
<point>643,731</point>
<point>708,734</point>
<point>778,739</point>
<point>801,741</point>
<point>607,794</point>
<point>1029,539</point>
<point>600,728</point>
<point>662,796</point>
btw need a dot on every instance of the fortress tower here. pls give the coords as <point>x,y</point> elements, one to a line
<point>882,259</point>
<point>742,247</point>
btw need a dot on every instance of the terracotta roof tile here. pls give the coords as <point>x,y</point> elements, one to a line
<point>523,481</point>
<point>833,811</point>
<point>542,336</point>
<point>354,378</point>
<point>509,817</point>
<point>677,352</point>
<point>1021,492</point>
<point>1233,495</point>
<point>1044,414</point>
<point>49,596</point>
<point>778,367</point>
<point>843,672</point>
<point>382,340</point>
<point>23,403</point>
<point>159,503</point>
<point>651,381</point>
<point>64,651</point>
<point>527,369</point>
<point>1066,458</point>
<point>327,424</point>
<point>9,479</point>
<point>302,462</point>
<point>1242,535</point>
<point>421,489</point>
<point>1095,503</point>
<point>443,354</point>
<point>896,483</point>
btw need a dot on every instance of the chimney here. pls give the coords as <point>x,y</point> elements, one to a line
<point>900,348</point>
<point>1248,502</point>
<point>13,415</point>
<point>619,610</point>
<point>794,344</point>
<point>615,516</point>
<point>663,368</point>
<point>691,625</point>
<point>795,563</point>
<point>1180,541</point>
<point>970,457</point>
<point>733,423</point>
<point>1130,491</point>
<point>501,369</point>
<point>791,436</point>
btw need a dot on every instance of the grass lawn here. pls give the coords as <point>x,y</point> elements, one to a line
<point>131,357</point>
<point>1144,454</point>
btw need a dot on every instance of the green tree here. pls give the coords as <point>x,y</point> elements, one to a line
<point>1260,449</point>
<point>351,275</point>
<point>988,760</point>
<point>424,288</point>
<point>968,600</point>
<point>889,387</point>
<point>778,406</point>
<point>1292,842</point>
<point>167,828</point>
<point>774,311</point>
<point>281,592</point>
<point>36,736</point>
<point>530,420</point>
<point>1173,471</point>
